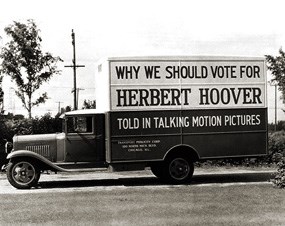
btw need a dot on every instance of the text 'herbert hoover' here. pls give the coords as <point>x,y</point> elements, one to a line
<point>182,97</point>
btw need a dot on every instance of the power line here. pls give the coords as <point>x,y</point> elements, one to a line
<point>63,87</point>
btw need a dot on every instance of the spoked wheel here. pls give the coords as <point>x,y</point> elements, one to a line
<point>178,170</point>
<point>23,174</point>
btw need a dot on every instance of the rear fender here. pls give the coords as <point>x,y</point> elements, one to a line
<point>37,157</point>
<point>183,149</point>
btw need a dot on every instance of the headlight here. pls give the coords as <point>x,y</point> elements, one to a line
<point>8,147</point>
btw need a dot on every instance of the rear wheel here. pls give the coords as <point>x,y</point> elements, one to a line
<point>178,169</point>
<point>23,173</point>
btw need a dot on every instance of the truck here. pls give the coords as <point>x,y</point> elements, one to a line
<point>158,113</point>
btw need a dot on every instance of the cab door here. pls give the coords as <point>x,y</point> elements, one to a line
<point>80,142</point>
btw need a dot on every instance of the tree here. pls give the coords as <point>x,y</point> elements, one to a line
<point>277,67</point>
<point>26,64</point>
<point>1,95</point>
<point>88,104</point>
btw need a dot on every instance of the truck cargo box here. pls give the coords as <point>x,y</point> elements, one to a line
<point>216,106</point>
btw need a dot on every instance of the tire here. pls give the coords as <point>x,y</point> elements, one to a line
<point>23,173</point>
<point>178,170</point>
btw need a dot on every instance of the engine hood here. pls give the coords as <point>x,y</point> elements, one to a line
<point>46,145</point>
<point>37,137</point>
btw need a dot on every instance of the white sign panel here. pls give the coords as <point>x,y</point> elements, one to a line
<point>137,85</point>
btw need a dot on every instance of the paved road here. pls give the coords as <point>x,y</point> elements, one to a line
<point>215,197</point>
<point>103,180</point>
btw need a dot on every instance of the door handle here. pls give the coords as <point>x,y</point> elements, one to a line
<point>98,137</point>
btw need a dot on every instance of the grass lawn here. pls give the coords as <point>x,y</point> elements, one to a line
<point>149,205</point>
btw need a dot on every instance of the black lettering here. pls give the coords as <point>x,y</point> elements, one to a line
<point>136,71</point>
<point>154,94</point>
<point>256,71</point>
<point>215,97</point>
<point>204,72</point>
<point>168,69</point>
<point>183,72</point>
<point>186,97</point>
<point>152,72</point>
<point>242,70</point>
<point>235,95</point>
<point>152,97</point>
<point>156,74</point>
<point>204,96</point>
<point>133,97</point>
<point>233,71</point>
<point>121,94</point>
<point>256,95</point>
<point>175,72</point>
<point>120,72</point>
<point>176,97</point>
<point>144,94</point>
<point>165,97</point>
<point>246,96</point>
<point>126,72</point>
<point>225,96</point>
<point>214,71</point>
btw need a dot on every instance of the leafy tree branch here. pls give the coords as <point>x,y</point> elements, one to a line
<point>26,64</point>
<point>277,67</point>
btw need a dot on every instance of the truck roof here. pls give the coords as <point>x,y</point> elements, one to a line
<point>185,57</point>
<point>179,58</point>
<point>82,112</point>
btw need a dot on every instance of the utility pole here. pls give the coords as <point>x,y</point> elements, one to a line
<point>74,66</point>
<point>274,83</point>
<point>275,107</point>
<point>77,98</point>
<point>59,102</point>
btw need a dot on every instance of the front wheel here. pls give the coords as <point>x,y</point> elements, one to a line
<point>178,169</point>
<point>23,174</point>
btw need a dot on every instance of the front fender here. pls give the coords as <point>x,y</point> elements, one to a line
<point>33,155</point>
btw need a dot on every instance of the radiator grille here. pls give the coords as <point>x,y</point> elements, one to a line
<point>43,150</point>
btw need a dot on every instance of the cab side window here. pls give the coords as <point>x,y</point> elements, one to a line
<point>82,124</point>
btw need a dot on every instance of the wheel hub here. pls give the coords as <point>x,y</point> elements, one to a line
<point>179,169</point>
<point>23,172</point>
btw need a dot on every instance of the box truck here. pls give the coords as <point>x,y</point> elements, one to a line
<point>163,113</point>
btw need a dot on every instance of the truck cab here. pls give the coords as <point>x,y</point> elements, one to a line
<point>84,137</point>
<point>80,145</point>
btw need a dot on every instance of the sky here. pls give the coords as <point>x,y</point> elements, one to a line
<point>142,28</point>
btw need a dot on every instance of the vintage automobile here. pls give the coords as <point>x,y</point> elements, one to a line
<point>74,148</point>
<point>159,112</point>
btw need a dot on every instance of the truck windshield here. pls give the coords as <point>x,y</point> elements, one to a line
<point>82,124</point>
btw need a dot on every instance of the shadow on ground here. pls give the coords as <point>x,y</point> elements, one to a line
<point>153,181</point>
